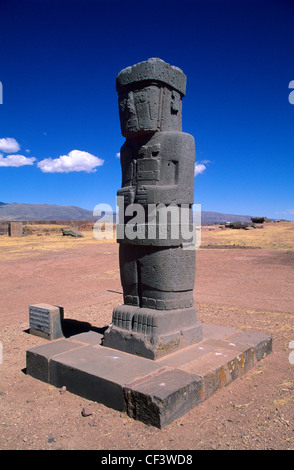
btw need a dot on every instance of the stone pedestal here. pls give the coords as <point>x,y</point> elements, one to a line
<point>155,392</point>
<point>152,333</point>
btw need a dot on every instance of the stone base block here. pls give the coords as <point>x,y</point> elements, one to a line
<point>155,392</point>
<point>151,347</point>
<point>152,333</point>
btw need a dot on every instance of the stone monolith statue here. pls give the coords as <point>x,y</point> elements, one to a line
<point>155,230</point>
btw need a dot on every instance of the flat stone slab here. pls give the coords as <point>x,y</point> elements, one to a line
<point>155,392</point>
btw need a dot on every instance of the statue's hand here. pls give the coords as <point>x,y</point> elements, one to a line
<point>128,193</point>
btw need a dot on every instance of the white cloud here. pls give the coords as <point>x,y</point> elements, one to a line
<point>16,160</point>
<point>76,160</point>
<point>9,145</point>
<point>199,168</point>
<point>117,155</point>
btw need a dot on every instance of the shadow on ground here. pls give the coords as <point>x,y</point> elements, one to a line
<point>74,327</point>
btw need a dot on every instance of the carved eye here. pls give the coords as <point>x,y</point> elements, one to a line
<point>122,104</point>
<point>140,97</point>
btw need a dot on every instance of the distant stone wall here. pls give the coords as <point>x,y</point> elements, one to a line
<point>71,223</point>
<point>4,228</point>
<point>77,224</point>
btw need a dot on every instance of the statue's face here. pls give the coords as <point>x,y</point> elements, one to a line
<point>139,110</point>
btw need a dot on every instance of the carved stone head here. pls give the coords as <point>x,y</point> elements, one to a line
<point>150,98</point>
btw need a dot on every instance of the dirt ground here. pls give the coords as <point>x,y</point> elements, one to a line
<point>244,279</point>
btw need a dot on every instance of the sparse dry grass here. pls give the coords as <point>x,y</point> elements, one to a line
<point>272,236</point>
<point>278,236</point>
<point>37,240</point>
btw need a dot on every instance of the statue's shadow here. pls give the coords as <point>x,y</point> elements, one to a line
<point>72,327</point>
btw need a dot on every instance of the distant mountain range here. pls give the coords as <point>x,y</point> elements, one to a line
<point>28,212</point>
<point>208,218</point>
<point>17,211</point>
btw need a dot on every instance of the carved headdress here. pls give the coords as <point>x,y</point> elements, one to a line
<point>153,70</point>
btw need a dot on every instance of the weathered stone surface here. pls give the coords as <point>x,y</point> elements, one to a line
<point>157,269</point>
<point>38,358</point>
<point>162,397</point>
<point>46,320</point>
<point>240,225</point>
<point>71,233</point>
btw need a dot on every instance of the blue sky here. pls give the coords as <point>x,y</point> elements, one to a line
<point>58,64</point>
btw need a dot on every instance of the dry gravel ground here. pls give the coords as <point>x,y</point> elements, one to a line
<point>247,288</point>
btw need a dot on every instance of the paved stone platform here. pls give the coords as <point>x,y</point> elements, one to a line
<point>155,392</point>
